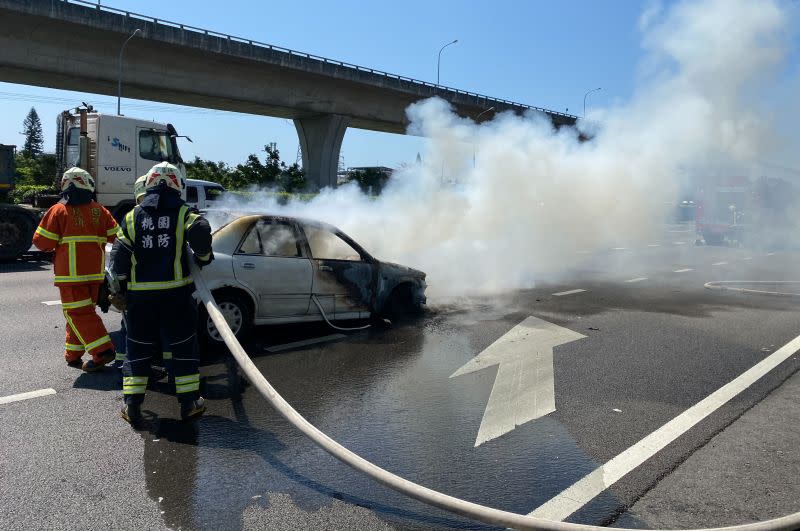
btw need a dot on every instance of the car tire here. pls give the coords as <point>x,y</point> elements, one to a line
<point>400,304</point>
<point>237,312</point>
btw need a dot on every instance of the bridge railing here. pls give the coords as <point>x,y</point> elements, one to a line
<point>324,60</point>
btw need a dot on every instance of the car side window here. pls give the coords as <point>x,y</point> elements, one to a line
<point>325,245</point>
<point>213,193</point>
<point>271,238</point>
<point>191,194</point>
<point>251,243</point>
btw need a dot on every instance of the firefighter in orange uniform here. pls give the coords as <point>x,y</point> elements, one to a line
<point>77,228</point>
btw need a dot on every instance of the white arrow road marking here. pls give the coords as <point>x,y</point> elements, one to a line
<point>524,388</point>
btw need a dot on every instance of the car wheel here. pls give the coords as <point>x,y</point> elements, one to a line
<point>400,304</point>
<point>237,314</point>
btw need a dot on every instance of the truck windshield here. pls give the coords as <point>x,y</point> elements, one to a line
<point>157,145</point>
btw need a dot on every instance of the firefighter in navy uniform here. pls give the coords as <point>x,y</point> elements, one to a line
<point>152,270</point>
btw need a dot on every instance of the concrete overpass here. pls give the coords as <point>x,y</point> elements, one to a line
<point>75,45</point>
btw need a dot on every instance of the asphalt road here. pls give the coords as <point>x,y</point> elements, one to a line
<point>657,342</point>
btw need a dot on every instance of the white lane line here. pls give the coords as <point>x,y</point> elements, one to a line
<point>51,303</point>
<point>690,230</point>
<point>570,292</point>
<point>770,254</point>
<point>583,252</point>
<point>620,249</point>
<point>683,270</point>
<point>748,258</point>
<point>637,279</point>
<point>654,245</point>
<point>304,343</point>
<point>26,396</point>
<point>679,243</point>
<point>719,263</point>
<point>582,492</point>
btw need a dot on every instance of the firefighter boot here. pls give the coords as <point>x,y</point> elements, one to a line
<point>107,356</point>
<point>190,410</point>
<point>132,414</point>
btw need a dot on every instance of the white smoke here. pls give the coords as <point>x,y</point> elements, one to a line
<point>511,202</point>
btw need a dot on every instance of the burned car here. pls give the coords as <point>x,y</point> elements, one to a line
<point>278,269</point>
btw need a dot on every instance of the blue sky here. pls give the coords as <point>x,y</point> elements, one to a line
<point>543,54</point>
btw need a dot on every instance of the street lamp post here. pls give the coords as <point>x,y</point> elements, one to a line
<point>119,69</point>
<point>439,62</point>
<point>584,98</point>
<point>476,121</point>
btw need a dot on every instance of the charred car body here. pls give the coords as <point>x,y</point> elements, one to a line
<point>277,269</point>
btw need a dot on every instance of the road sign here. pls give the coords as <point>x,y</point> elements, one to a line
<point>524,388</point>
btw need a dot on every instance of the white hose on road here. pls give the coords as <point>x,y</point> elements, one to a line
<point>735,285</point>
<point>458,506</point>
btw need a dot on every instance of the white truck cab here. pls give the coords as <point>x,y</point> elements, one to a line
<point>203,194</point>
<point>116,151</point>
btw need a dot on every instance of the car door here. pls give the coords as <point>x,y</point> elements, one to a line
<point>343,274</point>
<point>271,262</point>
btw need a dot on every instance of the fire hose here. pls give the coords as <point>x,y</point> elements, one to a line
<point>455,505</point>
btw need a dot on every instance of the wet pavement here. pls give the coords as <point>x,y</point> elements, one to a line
<point>652,349</point>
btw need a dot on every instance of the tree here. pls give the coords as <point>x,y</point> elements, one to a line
<point>35,170</point>
<point>370,180</point>
<point>34,138</point>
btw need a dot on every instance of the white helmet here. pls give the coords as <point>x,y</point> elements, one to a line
<point>166,173</point>
<point>80,178</point>
<point>139,188</point>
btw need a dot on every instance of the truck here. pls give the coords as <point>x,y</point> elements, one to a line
<point>757,212</point>
<point>115,150</point>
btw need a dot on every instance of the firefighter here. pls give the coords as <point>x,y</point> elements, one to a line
<point>152,270</point>
<point>77,228</point>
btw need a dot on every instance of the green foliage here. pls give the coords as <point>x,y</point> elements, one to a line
<point>370,180</point>
<point>34,138</point>
<point>271,173</point>
<point>25,192</point>
<point>35,170</point>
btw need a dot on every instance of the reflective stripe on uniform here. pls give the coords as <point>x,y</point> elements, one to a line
<point>97,343</point>
<point>120,356</point>
<point>74,328</point>
<point>77,304</point>
<point>74,348</point>
<point>167,284</point>
<point>130,224</point>
<point>47,234</point>
<point>189,220</point>
<point>73,259</point>
<point>83,239</point>
<point>112,231</point>
<point>166,355</point>
<point>187,384</point>
<point>79,278</point>
<point>134,385</point>
<point>179,232</point>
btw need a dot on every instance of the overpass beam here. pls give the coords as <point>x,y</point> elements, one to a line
<point>321,141</point>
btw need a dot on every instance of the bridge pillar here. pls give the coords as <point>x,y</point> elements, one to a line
<point>321,140</point>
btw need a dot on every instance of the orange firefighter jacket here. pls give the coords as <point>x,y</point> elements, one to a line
<point>78,234</point>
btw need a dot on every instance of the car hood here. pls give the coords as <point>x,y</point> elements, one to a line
<point>401,270</point>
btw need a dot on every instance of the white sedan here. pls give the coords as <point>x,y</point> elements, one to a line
<point>277,269</point>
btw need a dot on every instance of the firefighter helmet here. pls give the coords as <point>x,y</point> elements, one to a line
<point>79,178</point>
<point>139,188</point>
<point>166,173</point>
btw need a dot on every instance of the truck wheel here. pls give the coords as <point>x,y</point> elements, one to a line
<point>16,233</point>
<point>237,313</point>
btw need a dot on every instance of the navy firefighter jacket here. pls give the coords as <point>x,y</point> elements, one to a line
<point>150,249</point>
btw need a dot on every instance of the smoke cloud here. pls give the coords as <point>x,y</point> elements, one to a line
<point>513,202</point>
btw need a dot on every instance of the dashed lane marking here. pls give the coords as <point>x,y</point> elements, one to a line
<point>620,249</point>
<point>748,258</point>
<point>770,254</point>
<point>304,343</point>
<point>51,303</point>
<point>679,243</point>
<point>579,494</point>
<point>637,279</point>
<point>570,292</point>
<point>654,245</point>
<point>26,396</point>
<point>719,263</point>
<point>683,270</point>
